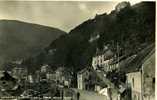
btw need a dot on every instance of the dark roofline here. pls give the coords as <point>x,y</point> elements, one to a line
<point>136,64</point>
<point>115,61</point>
<point>83,70</point>
<point>147,57</point>
<point>102,52</point>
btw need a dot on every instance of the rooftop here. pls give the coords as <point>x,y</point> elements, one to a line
<point>83,70</point>
<point>135,64</point>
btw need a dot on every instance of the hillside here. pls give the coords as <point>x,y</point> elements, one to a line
<point>132,28</point>
<point>19,40</point>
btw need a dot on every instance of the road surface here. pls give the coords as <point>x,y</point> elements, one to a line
<point>89,95</point>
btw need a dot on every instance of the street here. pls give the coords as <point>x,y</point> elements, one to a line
<point>88,95</point>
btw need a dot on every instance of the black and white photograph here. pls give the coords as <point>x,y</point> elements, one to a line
<point>77,50</point>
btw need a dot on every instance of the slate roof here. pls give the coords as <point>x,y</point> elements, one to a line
<point>136,63</point>
<point>116,60</point>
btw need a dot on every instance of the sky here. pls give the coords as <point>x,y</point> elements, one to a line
<point>64,15</point>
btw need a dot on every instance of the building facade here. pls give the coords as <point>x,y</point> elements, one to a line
<point>82,77</point>
<point>148,77</point>
<point>106,60</point>
<point>19,72</point>
<point>102,59</point>
<point>141,80</point>
<point>134,82</point>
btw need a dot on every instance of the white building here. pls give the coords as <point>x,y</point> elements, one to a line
<point>93,38</point>
<point>45,68</point>
<point>103,59</point>
<point>82,77</point>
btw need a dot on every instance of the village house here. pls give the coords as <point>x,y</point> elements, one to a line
<point>106,60</point>
<point>44,74</point>
<point>30,78</point>
<point>45,68</point>
<point>82,78</point>
<point>141,75</point>
<point>63,77</point>
<point>51,76</point>
<point>102,58</point>
<point>87,80</point>
<point>59,75</point>
<point>103,88</point>
<point>19,72</point>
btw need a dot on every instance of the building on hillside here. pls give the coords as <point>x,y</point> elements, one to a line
<point>87,80</point>
<point>46,74</point>
<point>45,68</point>
<point>119,62</point>
<point>148,77</point>
<point>30,78</point>
<point>102,58</point>
<point>82,78</point>
<point>19,72</point>
<point>94,37</point>
<point>63,76</point>
<point>19,62</point>
<point>60,75</point>
<point>50,76</point>
<point>37,76</point>
<point>141,75</point>
<point>106,60</point>
<point>122,5</point>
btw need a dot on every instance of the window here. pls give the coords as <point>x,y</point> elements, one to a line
<point>133,82</point>
<point>153,83</point>
<point>3,83</point>
<point>101,61</point>
<point>135,97</point>
<point>154,80</point>
<point>95,62</point>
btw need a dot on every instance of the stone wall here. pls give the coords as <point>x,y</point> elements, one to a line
<point>149,78</point>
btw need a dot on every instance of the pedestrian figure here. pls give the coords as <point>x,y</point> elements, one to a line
<point>78,95</point>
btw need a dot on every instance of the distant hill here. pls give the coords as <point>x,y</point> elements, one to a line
<point>132,28</point>
<point>19,40</point>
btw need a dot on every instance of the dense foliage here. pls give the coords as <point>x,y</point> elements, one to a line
<point>19,40</point>
<point>133,28</point>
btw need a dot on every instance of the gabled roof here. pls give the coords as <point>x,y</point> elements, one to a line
<point>116,60</point>
<point>83,70</point>
<point>136,63</point>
